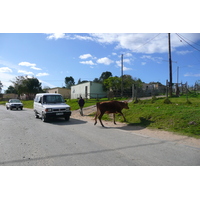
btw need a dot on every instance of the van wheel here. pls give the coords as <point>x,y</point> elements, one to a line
<point>36,116</point>
<point>44,119</point>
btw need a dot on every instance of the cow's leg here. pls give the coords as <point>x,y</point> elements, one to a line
<point>114,118</point>
<point>96,118</point>
<point>123,116</point>
<point>100,116</point>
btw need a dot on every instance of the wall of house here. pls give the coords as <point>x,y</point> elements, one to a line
<point>87,90</point>
<point>63,91</point>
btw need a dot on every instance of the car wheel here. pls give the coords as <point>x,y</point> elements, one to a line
<point>10,108</point>
<point>67,118</point>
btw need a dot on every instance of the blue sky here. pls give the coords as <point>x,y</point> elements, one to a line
<point>51,57</point>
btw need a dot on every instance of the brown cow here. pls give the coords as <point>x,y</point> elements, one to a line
<point>110,107</point>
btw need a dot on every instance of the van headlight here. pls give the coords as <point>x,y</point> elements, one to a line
<point>48,109</point>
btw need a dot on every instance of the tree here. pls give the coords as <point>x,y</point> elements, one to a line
<point>112,83</point>
<point>69,81</point>
<point>96,80</point>
<point>1,86</point>
<point>104,76</point>
<point>28,86</point>
<point>10,90</point>
<point>84,81</point>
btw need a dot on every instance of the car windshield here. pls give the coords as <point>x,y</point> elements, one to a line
<point>15,101</point>
<point>53,99</point>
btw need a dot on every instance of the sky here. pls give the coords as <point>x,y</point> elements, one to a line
<point>50,57</point>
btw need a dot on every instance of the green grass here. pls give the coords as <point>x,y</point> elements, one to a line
<point>178,116</point>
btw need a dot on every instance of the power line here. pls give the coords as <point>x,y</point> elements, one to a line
<point>143,44</point>
<point>187,42</point>
<point>189,39</point>
<point>148,41</point>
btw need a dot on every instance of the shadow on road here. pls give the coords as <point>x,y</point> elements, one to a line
<point>128,127</point>
<point>62,122</point>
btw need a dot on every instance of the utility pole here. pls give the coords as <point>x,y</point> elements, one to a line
<point>170,66</point>
<point>177,74</point>
<point>122,75</point>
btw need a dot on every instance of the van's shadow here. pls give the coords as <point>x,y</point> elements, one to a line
<point>63,122</point>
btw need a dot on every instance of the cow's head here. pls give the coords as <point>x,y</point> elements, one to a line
<point>125,104</point>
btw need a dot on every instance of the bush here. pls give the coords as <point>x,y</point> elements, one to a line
<point>167,101</point>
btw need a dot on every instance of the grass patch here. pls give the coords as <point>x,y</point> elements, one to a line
<point>179,116</point>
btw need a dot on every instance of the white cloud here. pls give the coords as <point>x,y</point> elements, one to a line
<point>55,36</point>
<point>27,64</point>
<point>25,72</point>
<point>6,79</point>
<point>155,59</point>
<point>36,68</point>
<point>85,56</point>
<point>80,37</point>
<point>87,62</point>
<point>126,68</point>
<point>47,84</point>
<point>136,42</point>
<point>128,55</point>
<point>126,60</point>
<point>5,69</point>
<point>105,61</point>
<point>143,63</point>
<point>191,74</point>
<point>183,52</point>
<point>119,63</point>
<point>143,42</point>
<point>42,74</point>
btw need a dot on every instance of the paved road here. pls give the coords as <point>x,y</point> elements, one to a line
<point>25,140</point>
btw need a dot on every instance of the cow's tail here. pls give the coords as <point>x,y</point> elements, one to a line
<point>97,113</point>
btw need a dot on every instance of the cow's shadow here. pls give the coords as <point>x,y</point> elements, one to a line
<point>131,126</point>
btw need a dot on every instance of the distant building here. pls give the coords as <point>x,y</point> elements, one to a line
<point>10,96</point>
<point>87,90</point>
<point>153,86</point>
<point>65,92</point>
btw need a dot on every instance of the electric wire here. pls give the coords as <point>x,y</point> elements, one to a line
<point>189,39</point>
<point>148,41</point>
<point>187,42</point>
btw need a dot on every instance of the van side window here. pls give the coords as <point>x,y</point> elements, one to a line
<point>36,99</point>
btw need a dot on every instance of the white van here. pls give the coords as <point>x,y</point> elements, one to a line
<point>51,105</point>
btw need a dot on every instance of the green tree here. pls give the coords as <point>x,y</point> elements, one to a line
<point>1,86</point>
<point>69,81</point>
<point>28,86</point>
<point>96,80</point>
<point>10,90</point>
<point>112,83</point>
<point>104,76</point>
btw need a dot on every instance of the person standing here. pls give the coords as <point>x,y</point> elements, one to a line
<point>81,103</point>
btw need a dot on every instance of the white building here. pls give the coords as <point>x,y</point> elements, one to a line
<point>87,90</point>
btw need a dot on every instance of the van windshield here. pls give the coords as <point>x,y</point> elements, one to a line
<point>53,99</point>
